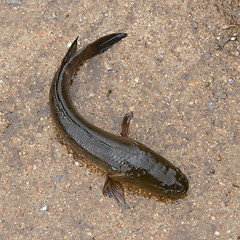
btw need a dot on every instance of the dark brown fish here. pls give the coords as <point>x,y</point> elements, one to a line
<point>121,158</point>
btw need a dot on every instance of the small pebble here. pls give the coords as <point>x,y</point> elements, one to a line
<point>109,67</point>
<point>209,170</point>
<point>76,163</point>
<point>230,80</point>
<point>211,105</point>
<point>57,178</point>
<point>195,25</point>
<point>44,208</point>
<point>206,56</point>
<point>17,2</point>
<point>184,76</point>
<point>225,198</point>
<point>223,95</point>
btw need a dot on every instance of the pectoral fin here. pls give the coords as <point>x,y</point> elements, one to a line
<point>114,189</point>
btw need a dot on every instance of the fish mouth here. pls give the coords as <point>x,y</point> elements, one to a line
<point>180,192</point>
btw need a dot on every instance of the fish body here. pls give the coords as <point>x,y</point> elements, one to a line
<point>123,159</point>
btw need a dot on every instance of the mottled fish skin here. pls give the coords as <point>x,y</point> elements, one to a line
<point>121,158</point>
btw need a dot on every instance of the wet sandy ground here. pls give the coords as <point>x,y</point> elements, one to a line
<point>178,71</point>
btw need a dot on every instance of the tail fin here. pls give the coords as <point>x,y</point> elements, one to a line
<point>97,47</point>
<point>103,44</point>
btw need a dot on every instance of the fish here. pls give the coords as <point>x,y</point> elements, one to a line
<point>122,159</point>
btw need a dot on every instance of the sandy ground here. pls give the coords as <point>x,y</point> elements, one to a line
<point>178,71</point>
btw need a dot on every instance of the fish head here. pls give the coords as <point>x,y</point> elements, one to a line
<point>157,175</point>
